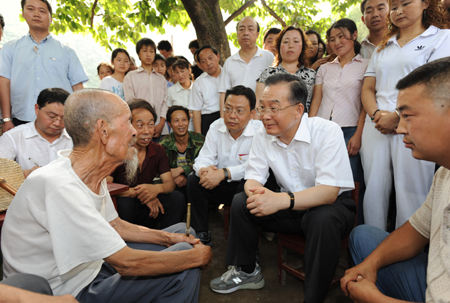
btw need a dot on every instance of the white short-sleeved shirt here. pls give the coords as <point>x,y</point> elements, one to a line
<point>24,142</point>
<point>316,156</point>
<point>177,95</point>
<point>111,84</point>
<point>367,48</point>
<point>395,62</point>
<point>238,72</point>
<point>205,96</point>
<point>57,228</point>
<point>221,150</point>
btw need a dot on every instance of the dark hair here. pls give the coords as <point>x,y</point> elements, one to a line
<point>159,57</point>
<point>271,31</point>
<point>171,60</point>
<point>174,108</point>
<point>305,44</point>
<point>350,25</point>
<point>194,44</point>
<point>214,50</point>
<point>319,40</point>
<point>2,21</point>
<point>52,95</point>
<point>118,51</point>
<point>434,75</point>
<point>181,64</point>
<point>362,7</point>
<point>240,90</point>
<point>183,58</point>
<point>104,64</point>
<point>49,7</point>
<point>257,24</point>
<point>164,45</point>
<point>144,42</point>
<point>141,103</point>
<point>298,91</point>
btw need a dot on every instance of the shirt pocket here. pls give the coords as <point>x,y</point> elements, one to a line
<point>57,65</point>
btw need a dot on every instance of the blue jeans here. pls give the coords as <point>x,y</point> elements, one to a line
<point>403,280</point>
<point>357,170</point>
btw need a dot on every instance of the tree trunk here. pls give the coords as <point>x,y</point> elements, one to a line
<point>209,26</point>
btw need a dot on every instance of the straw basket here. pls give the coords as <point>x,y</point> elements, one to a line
<point>12,172</point>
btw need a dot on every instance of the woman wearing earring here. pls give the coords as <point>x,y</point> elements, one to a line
<point>416,35</point>
<point>337,93</point>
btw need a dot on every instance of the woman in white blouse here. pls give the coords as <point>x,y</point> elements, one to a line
<point>337,93</point>
<point>415,36</point>
<point>292,45</point>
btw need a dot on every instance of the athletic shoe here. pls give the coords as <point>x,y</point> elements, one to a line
<point>205,238</point>
<point>235,279</point>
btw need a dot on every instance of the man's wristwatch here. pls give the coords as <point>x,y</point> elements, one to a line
<point>5,120</point>
<point>225,172</point>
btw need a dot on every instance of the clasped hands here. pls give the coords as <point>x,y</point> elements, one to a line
<point>147,194</point>
<point>210,176</point>
<point>386,122</point>
<point>264,202</point>
<point>359,284</point>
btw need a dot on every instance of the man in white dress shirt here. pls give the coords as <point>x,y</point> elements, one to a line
<point>205,98</point>
<point>244,67</point>
<point>310,163</point>
<point>220,166</point>
<point>36,143</point>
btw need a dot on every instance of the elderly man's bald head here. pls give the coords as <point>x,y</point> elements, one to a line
<point>84,108</point>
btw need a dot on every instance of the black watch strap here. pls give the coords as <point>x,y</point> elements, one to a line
<point>225,172</point>
<point>291,196</point>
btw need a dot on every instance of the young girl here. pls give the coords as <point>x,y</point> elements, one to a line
<point>159,65</point>
<point>104,69</point>
<point>121,62</point>
<point>337,93</point>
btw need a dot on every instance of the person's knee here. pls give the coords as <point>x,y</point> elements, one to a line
<point>179,246</point>
<point>192,181</point>
<point>29,282</point>
<point>323,217</point>
<point>239,203</point>
<point>363,240</point>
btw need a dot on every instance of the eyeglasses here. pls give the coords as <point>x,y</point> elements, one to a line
<point>272,111</point>
<point>53,117</point>
<point>238,112</point>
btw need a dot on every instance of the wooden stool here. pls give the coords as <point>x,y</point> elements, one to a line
<point>297,242</point>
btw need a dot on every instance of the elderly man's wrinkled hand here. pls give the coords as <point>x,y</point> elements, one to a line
<point>206,255</point>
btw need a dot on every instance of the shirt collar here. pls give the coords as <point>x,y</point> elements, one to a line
<point>259,53</point>
<point>140,69</point>
<point>150,151</point>
<point>49,37</point>
<point>355,58</point>
<point>33,132</point>
<point>180,88</point>
<point>366,40</point>
<point>302,134</point>
<point>430,31</point>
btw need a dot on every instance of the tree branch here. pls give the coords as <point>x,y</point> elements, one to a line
<point>93,12</point>
<point>271,11</point>
<point>239,11</point>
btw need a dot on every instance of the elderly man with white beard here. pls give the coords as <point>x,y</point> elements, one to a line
<point>62,224</point>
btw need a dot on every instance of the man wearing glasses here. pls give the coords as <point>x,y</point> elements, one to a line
<point>310,163</point>
<point>36,143</point>
<point>220,166</point>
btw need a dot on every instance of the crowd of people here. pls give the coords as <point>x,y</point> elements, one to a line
<point>280,133</point>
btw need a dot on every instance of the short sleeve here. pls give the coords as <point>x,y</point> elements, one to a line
<point>128,88</point>
<point>6,54</point>
<point>7,147</point>
<point>105,84</point>
<point>443,49</point>
<point>257,167</point>
<point>196,97</point>
<point>163,160</point>
<point>83,242</point>
<point>370,71</point>
<point>225,80</point>
<point>320,75</point>
<point>76,71</point>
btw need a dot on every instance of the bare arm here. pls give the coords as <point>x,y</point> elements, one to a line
<point>130,262</point>
<point>16,295</point>
<point>197,116</point>
<point>402,244</point>
<point>368,92</point>
<point>77,86</point>
<point>316,100</point>
<point>5,102</point>
<point>222,104</point>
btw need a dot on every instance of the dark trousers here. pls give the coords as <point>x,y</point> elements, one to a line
<point>323,226</point>
<point>207,120</point>
<point>199,197</point>
<point>18,122</point>
<point>133,211</point>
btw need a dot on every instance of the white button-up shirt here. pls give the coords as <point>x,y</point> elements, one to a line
<point>24,142</point>
<point>395,62</point>
<point>316,156</point>
<point>238,72</point>
<point>205,96</point>
<point>177,95</point>
<point>221,150</point>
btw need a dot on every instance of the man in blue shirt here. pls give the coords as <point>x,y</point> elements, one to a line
<point>35,62</point>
